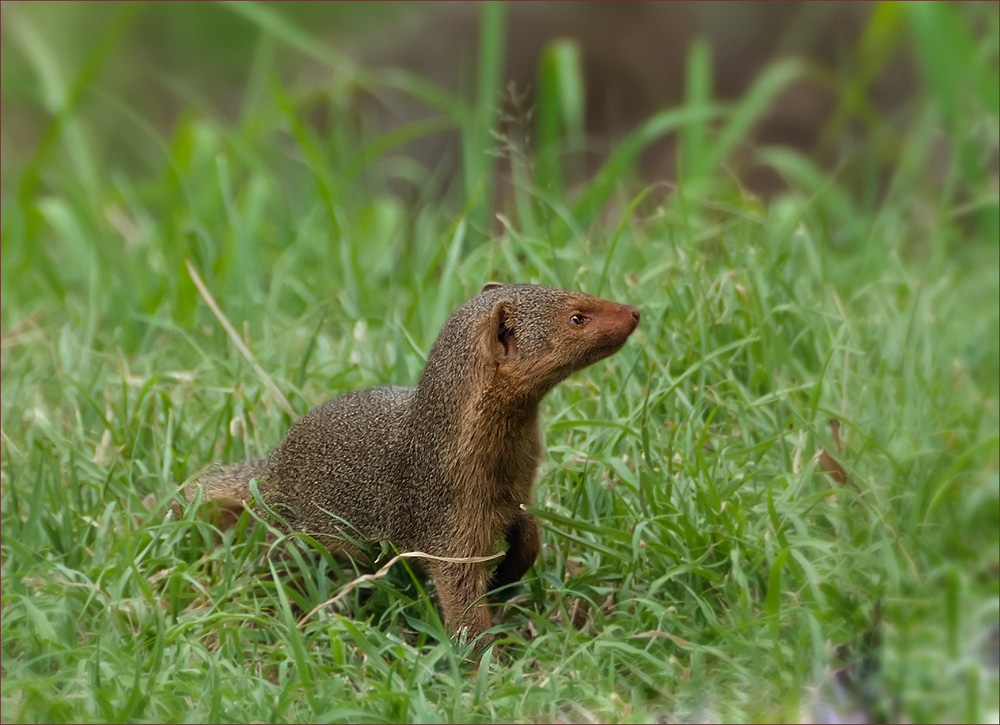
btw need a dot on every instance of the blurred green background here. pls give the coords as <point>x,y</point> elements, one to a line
<point>780,500</point>
<point>127,70</point>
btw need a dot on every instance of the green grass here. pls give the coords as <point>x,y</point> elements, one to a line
<point>697,564</point>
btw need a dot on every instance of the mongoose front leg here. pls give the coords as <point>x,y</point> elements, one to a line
<point>461,589</point>
<point>525,542</point>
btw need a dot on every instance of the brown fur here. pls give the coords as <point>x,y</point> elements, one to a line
<point>445,467</point>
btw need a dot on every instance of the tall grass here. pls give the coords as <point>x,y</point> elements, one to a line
<point>703,558</point>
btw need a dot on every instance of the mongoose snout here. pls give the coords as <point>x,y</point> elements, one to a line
<point>620,323</point>
<point>447,467</point>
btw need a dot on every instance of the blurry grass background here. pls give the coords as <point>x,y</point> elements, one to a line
<point>780,500</point>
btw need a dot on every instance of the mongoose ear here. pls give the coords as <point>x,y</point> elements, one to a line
<point>502,343</point>
<point>490,285</point>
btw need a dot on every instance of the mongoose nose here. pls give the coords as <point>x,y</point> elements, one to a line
<point>628,318</point>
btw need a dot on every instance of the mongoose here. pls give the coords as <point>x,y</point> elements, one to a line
<point>444,468</point>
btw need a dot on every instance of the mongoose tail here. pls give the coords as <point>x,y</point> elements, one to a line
<point>228,487</point>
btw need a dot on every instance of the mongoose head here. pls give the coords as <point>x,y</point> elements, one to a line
<point>531,337</point>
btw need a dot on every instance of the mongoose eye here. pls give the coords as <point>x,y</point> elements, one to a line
<point>578,319</point>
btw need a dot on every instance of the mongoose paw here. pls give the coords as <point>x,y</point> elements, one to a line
<point>470,645</point>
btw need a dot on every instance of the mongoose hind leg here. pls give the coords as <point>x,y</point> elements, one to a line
<point>525,540</point>
<point>461,589</point>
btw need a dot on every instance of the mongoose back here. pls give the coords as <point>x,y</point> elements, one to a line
<point>446,467</point>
